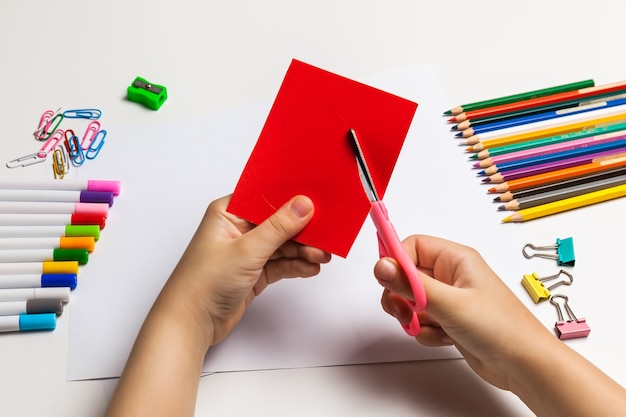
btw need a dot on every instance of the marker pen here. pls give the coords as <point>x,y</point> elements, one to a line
<point>48,267</point>
<point>69,230</point>
<point>41,255</point>
<point>67,184</point>
<point>51,219</point>
<point>38,281</point>
<point>46,305</point>
<point>25,294</point>
<point>57,196</point>
<point>81,242</point>
<point>47,207</point>
<point>28,322</point>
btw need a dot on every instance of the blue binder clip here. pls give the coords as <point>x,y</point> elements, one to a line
<point>564,251</point>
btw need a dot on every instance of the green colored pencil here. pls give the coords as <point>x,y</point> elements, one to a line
<point>520,96</point>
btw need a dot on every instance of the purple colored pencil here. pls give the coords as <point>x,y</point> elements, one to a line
<point>551,166</point>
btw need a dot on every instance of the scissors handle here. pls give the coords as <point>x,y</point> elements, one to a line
<point>390,245</point>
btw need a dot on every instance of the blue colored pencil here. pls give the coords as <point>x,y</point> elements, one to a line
<point>518,121</point>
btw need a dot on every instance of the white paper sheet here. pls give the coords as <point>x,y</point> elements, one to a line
<point>170,172</point>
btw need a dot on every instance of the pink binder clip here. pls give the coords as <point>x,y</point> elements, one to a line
<point>571,328</point>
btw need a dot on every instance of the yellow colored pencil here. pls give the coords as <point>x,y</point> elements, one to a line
<point>567,204</point>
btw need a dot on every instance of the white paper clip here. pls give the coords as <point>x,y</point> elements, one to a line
<point>571,328</point>
<point>25,160</point>
<point>564,251</point>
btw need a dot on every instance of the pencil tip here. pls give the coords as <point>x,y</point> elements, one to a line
<point>481,173</point>
<point>497,199</point>
<point>507,219</point>
<point>492,190</point>
<point>455,127</point>
<point>452,119</point>
<point>501,208</point>
<point>447,112</point>
<point>459,134</point>
<point>475,156</point>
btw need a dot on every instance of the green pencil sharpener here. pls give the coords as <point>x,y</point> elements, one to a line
<point>149,94</point>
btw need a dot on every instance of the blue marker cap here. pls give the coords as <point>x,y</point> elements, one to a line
<point>59,280</point>
<point>44,321</point>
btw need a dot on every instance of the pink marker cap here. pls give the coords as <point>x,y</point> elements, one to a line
<point>100,209</point>
<point>108,186</point>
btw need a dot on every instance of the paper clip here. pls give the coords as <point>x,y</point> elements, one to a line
<point>60,165</point>
<point>25,160</point>
<point>564,251</point>
<point>45,124</point>
<point>571,328</point>
<point>52,142</point>
<point>90,134</point>
<point>91,114</point>
<point>537,290</point>
<point>96,144</point>
<point>77,155</point>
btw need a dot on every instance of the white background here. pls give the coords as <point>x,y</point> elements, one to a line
<point>216,56</point>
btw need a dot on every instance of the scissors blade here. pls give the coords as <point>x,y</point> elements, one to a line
<point>364,172</point>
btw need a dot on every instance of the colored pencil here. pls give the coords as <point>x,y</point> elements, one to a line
<point>596,176</point>
<point>571,203</point>
<point>531,170</point>
<point>568,96</point>
<point>560,194</point>
<point>544,133</point>
<point>603,164</point>
<point>532,111</point>
<point>552,123</point>
<point>556,156</point>
<point>520,96</point>
<point>600,132</point>
<point>520,121</point>
<point>548,149</point>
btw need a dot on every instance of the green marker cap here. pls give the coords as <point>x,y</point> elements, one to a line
<point>79,255</point>
<point>80,230</point>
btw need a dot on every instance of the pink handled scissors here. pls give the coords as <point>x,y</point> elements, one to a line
<point>388,241</point>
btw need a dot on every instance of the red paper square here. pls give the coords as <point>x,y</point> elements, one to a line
<point>303,148</point>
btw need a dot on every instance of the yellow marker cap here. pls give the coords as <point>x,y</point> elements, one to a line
<point>60,267</point>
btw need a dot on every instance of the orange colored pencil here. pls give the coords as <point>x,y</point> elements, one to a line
<point>544,133</point>
<point>599,164</point>
<point>575,95</point>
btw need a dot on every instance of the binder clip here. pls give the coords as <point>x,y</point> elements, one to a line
<point>146,93</point>
<point>564,251</point>
<point>571,328</point>
<point>537,290</point>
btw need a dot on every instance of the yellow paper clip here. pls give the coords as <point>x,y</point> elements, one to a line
<point>537,290</point>
<point>60,165</point>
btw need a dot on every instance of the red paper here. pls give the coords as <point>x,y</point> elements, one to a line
<point>304,148</point>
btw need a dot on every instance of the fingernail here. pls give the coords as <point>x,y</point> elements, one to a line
<point>446,340</point>
<point>386,270</point>
<point>301,206</point>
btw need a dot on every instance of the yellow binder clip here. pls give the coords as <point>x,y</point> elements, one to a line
<point>535,287</point>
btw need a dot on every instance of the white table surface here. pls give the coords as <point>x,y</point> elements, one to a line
<point>219,55</point>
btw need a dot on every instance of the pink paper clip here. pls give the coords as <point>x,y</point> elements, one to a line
<point>53,141</point>
<point>571,328</point>
<point>44,123</point>
<point>90,134</point>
